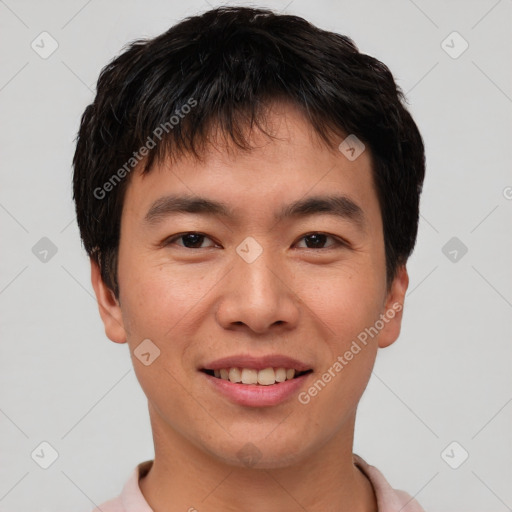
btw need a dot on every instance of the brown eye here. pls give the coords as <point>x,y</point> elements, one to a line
<point>318,240</point>
<point>190,240</point>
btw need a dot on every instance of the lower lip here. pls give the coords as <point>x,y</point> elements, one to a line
<point>253,395</point>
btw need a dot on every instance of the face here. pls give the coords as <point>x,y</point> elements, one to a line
<point>272,275</point>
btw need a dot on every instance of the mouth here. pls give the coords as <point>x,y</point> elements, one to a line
<point>257,381</point>
<point>251,376</point>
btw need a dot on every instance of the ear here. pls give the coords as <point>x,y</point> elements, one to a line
<point>393,308</point>
<point>110,310</point>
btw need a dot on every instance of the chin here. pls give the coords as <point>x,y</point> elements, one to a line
<point>259,454</point>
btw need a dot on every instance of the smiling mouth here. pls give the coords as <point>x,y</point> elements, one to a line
<point>250,376</point>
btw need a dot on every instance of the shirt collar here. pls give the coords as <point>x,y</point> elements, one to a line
<point>388,499</point>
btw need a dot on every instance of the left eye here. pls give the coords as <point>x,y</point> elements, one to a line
<point>318,239</point>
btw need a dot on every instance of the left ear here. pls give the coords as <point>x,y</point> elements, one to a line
<point>393,308</point>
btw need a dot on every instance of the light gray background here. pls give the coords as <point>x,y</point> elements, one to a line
<point>448,378</point>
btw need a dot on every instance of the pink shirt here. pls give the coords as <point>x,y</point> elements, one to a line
<point>131,498</point>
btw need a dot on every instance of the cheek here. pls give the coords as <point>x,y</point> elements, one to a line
<point>346,308</point>
<point>154,305</point>
<point>346,299</point>
<point>160,298</point>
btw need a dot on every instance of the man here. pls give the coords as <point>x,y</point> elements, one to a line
<point>247,188</point>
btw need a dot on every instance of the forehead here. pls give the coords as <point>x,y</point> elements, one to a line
<point>293,165</point>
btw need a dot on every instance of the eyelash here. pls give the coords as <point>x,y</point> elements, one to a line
<point>337,241</point>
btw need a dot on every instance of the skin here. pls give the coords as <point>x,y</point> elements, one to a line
<point>202,303</point>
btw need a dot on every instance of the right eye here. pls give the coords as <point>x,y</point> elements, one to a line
<point>190,240</point>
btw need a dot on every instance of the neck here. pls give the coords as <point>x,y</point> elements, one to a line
<point>186,478</point>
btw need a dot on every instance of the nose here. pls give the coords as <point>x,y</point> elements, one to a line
<point>258,296</point>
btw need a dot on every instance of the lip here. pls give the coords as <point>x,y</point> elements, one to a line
<point>255,395</point>
<point>257,363</point>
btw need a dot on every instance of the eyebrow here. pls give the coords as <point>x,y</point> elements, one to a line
<point>335,205</point>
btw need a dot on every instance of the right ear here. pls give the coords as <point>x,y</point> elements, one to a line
<point>110,310</point>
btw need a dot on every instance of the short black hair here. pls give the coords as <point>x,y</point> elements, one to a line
<point>221,70</point>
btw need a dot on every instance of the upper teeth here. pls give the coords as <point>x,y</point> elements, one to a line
<point>264,377</point>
